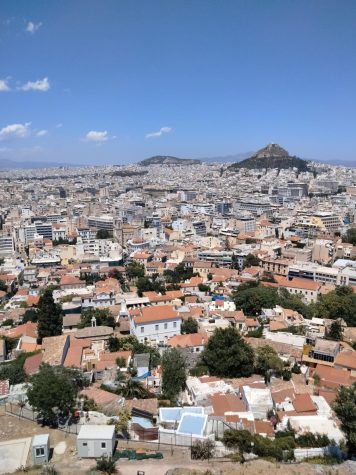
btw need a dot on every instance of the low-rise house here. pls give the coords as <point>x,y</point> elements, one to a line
<point>169,298</point>
<point>331,378</point>
<point>70,282</point>
<point>200,390</point>
<point>325,350</point>
<point>155,324</point>
<point>209,325</point>
<point>194,341</point>
<point>71,321</point>
<point>258,400</point>
<point>346,360</point>
<point>97,333</point>
<point>306,288</point>
<point>32,364</point>
<point>55,349</point>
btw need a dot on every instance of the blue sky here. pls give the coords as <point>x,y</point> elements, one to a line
<point>115,81</point>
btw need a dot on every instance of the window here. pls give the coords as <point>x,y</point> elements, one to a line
<point>40,451</point>
<point>174,324</point>
<point>165,326</point>
<point>156,328</point>
<point>142,329</point>
<point>85,444</point>
<point>103,445</point>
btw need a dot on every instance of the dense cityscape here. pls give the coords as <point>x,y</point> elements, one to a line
<point>200,305</point>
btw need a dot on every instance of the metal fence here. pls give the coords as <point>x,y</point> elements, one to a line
<point>30,415</point>
<point>150,438</point>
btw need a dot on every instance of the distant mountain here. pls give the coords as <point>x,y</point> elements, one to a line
<point>168,160</point>
<point>272,156</point>
<point>237,157</point>
<point>28,165</point>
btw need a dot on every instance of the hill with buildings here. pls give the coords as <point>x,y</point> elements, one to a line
<point>272,156</point>
<point>168,160</point>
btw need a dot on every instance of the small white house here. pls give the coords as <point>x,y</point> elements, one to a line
<point>95,441</point>
<point>155,324</point>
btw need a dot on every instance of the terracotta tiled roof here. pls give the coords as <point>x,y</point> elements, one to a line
<point>28,329</point>
<point>32,364</point>
<point>332,376</point>
<point>100,396</point>
<point>157,313</point>
<point>297,283</point>
<point>304,403</point>
<point>223,403</point>
<point>187,341</point>
<point>346,359</point>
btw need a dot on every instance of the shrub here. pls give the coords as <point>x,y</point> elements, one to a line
<point>202,450</point>
<point>106,465</point>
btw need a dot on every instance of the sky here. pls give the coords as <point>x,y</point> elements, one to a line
<point>117,81</point>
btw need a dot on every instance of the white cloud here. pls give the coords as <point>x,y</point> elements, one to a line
<point>4,87</point>
<point>96,136</point>
<point>41,133</point>
<point>33,27</point>
<point>39,85</point>
<point>162,130</point>
<point>15,131</point>
<point>58,126</point>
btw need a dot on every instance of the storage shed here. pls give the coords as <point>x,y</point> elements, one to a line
<point>95,441</point>
<point>40,449</point>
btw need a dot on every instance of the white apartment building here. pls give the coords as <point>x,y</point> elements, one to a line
<point>156,324</point>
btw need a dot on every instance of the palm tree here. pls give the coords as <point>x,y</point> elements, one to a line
<point>134,389</point>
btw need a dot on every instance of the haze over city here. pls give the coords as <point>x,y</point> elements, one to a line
<point>116,82</point>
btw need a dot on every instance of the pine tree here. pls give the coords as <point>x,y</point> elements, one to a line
<point>50,318</point>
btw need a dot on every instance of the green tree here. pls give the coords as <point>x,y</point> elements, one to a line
<point>135,270</point>
<point>3,286</point>
<point>50,317</point>
<point>7,323</point>
<point>189,326</point>
<point>267,359</point>
<point>345,409</point>
<point>116,274</point>
<point>337,304</point>
<point>173,373</point>
<point>103,234</point>
<point>251,300</point>
<point>134,389</point>
<point>335,331</point>
<point>121,362</point>
<point>350,236</point>
<point>30,315</point>
<point>251,261</point>
<point>227,354</point>
<point>145,284</point>
<point>103,317</point>
<point>122,423</point>
<point>203,288</point>
<point>52,392</point>
<point>179,274</point>
<point>238,439</point>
